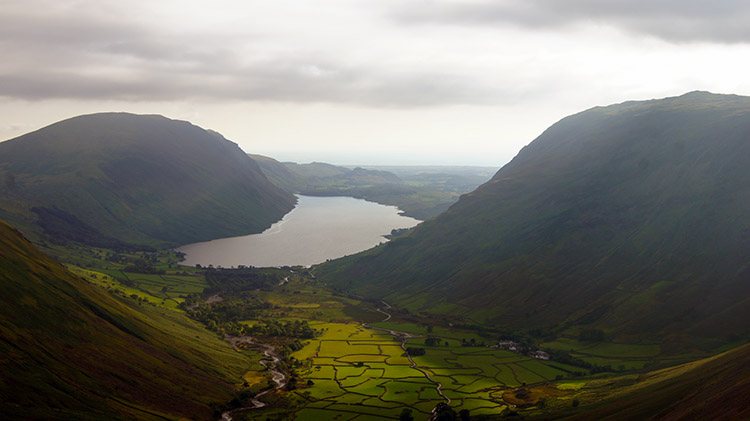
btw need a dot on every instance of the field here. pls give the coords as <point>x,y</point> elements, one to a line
<point>618,356</point>
<point>357,367</point>
<point>352,364</point>
<point>167,286</point>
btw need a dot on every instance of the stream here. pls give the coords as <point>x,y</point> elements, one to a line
<point>278,376</point>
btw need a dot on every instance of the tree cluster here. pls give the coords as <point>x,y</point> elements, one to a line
<point>415,352</point>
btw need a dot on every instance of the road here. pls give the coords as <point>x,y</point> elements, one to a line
<point>405,336</point>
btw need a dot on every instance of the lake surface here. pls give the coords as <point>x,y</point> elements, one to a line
<point>318,228</point>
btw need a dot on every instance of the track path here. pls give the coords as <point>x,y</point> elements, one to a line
<point>404,337</point>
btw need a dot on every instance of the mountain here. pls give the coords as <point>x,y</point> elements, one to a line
<point>632,218</point>
<point>317,170</point>
<point>114,178</point>
<point>714,388</point>
<point>315,176</point>
<point>70,350</point>
<point>280,174</point>
<point>420,192</point>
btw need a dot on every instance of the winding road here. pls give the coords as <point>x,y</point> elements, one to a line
<point>405,336</point>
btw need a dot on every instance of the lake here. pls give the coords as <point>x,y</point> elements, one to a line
<point>317,229</point>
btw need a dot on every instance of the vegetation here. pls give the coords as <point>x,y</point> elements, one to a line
<point>625,220</point>
<point>72,350</point>
<point>420,192</point>
<point>122,181</point>
<point>587,280</point>
<point>335,366</point>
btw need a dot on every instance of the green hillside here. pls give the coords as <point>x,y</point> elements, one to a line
<point>420,192</point>
<point>114,178</point>
<point>714,388</point>
<point>632,218</point>
<point>70,350</point>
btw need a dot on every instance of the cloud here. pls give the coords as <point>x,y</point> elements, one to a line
<point>107,56</point>
<point>290,80</point>
<point>675,21</point>
<point>335,51</point>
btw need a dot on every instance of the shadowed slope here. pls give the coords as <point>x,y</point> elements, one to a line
<point>103,178</point>
<point>715,388</point>
<point>69,350</point>
<point>633,218</point>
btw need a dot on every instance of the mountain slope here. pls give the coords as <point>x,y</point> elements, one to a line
<point>69,350</point>
<point>633,218</point>
<point>714,388</point>
<point>280,174</point>
<point>107,178</point>
<point>425,193</point>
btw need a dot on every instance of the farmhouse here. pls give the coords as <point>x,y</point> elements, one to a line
<point>509,345</point>
<point>539,355</point>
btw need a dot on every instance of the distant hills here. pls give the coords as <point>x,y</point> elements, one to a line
<point>71,350</point>
<point>633,219</point>
<point>116,179</point>
<point>420,192</point>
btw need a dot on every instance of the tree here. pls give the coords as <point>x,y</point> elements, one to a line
<point>444,412</point>
<point>591,335</point>
<point>464,415</point>
<point>406,415</point>
<point>432,341</point>
<point>415,352</point>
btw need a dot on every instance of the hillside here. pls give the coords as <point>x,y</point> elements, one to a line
<point>420,192</point>
<point>632,218</point>
<point>69,350</point>
<point>114,178</point>
<point>714,388</point>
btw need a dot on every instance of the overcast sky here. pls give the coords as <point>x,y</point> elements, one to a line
<point>363,81</point>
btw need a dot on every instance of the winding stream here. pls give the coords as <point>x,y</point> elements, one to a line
<point>279,377</point>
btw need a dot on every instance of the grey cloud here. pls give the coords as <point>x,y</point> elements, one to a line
<point>103,56</point>
<point>80,58</point>
<point>290,81</point>
<point>724,21</point>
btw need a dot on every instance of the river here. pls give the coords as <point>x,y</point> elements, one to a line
<point>317,229</point>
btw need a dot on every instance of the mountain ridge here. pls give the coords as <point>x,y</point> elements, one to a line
<point>603,221</point>
<point>138,179</point>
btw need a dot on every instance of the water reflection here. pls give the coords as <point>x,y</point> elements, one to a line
<point>319,228</point>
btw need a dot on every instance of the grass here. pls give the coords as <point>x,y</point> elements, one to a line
<point>71,337</point>
<point>361,373</point>
<point>469,374</point>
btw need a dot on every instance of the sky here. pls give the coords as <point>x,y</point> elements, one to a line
<point>407,82</point>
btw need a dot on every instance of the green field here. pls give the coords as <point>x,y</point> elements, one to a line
<point>357,371</point>
<point>353,365</point>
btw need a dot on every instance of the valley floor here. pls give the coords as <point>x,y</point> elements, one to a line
<point>368,360</point>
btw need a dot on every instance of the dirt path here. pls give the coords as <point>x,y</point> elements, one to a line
<point>279,377</point>
<point>405,336</point>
